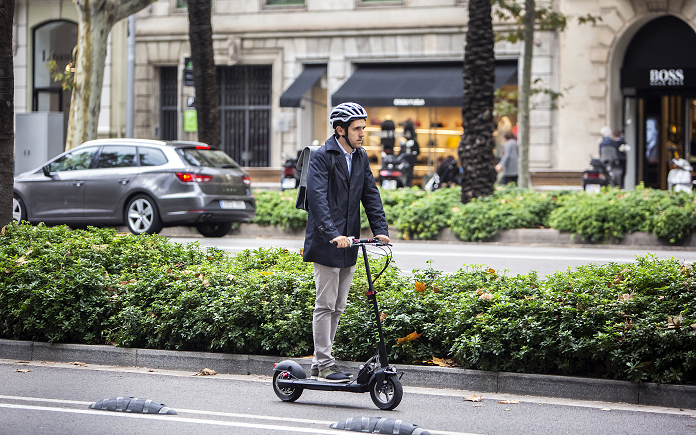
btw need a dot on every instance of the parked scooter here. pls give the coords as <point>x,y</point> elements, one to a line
<point>595,177</point>
<point>396,172</point>
<point>679,178</point>
<point>290,177</point>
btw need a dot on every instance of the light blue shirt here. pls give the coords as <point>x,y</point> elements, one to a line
<point>348,155</point>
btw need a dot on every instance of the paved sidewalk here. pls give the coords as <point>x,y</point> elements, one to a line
<point>673,396</point>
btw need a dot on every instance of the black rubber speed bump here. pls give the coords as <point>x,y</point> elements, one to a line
<point>131,404</point>
<point>379,425</point>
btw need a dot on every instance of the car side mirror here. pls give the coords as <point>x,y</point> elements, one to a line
<point>46,171</point>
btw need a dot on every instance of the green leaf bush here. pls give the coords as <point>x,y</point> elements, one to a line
<point>595,218</point>
<point>633,321</point>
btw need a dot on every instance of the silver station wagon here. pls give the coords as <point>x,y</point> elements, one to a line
<point>146,184</point>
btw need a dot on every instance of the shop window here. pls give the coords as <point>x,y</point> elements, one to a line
<point>53,40</point>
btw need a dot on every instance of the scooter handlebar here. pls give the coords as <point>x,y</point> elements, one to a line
<point>359,242</point>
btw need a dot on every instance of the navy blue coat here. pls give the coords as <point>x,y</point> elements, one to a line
<point>334,204</point>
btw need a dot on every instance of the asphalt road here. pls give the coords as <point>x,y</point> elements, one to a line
<point>53,398</point>
<point>450,257</point>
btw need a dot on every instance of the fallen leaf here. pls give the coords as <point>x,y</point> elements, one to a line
<point>455,209</point>
<point>507,409</point>
<point>506,402</point>
<point>382,316</point>
<point>22,371</point>
<point>206,283</point>
<point>77,363</point>
<point>442,362</point>
<point>490,271</point>
<point>486,296</point>
<point>21,362</point>
<point>410,337</point>
<point>420,287</point>
<point>474,398</point>
<point>674,322</point>
<point>2,232</point>
<point>206,372</point>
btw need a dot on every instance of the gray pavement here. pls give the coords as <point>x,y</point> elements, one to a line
<point>577,388</point>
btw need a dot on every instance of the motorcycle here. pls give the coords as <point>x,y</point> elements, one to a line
<point>679,178</point>
<point>290,176</point>
<point>597,176</point>
<point>395,172</point>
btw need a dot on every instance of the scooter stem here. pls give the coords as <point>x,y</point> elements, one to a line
<point>372,299</point>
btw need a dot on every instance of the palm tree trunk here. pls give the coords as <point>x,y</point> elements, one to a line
<point>525,91</point>
<point>476,146</point>
<point>204,73</point>
<point>6,111</point>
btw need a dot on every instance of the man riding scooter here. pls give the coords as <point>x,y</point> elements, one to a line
<point>333,220</point>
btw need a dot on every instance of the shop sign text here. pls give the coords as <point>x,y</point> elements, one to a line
<point>409,102</point>
<point>666,77</point>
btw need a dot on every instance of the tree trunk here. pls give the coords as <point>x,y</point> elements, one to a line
<point>204,73</point>
<point>525,91</point>
<point>6,111</point>
<point>476,147</point>
<point>96,18</point>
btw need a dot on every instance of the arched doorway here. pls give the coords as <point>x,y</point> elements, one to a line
<point>659,72</point>
<point>52,40</point>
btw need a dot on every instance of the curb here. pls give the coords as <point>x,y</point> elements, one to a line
<point>565,387</point>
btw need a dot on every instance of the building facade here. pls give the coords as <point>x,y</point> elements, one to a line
<point>283,64</point>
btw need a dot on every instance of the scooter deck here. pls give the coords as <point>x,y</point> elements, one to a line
<point>311,384</point>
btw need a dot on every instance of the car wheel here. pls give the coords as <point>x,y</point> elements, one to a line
<point>19,212</point>
<point>214,230</point>
<point>142,216</point>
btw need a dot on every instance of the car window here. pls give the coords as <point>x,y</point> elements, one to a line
<point>151,157</point>
<point>116,156</point>
<point>207,158</point>
<point>74,161</point>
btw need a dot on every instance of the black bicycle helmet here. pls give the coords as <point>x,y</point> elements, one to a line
<point>346,112</point>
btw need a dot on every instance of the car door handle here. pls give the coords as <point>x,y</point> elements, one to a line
<point>78,183</point>
<point>124,181</point>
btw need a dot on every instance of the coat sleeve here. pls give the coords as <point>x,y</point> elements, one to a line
<point>373,202</point>
<point>317,195</point>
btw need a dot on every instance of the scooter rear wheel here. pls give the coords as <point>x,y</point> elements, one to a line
<point>285,394</point>
<point>387,394</point>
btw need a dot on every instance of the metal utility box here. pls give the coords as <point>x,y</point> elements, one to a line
<point>38,138</point>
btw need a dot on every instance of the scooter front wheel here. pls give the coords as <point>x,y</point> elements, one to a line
<point>285,394</point>
<point>387,394</point>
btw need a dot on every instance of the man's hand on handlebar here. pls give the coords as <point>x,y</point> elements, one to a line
<point>382,238</point>
<point>342,241</point>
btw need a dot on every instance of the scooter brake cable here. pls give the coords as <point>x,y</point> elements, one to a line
<point>386,264</point>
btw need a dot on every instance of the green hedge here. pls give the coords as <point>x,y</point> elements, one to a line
<point>621,321</point>
<point>595,218</point>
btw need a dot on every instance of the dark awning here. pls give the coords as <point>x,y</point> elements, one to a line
<point>435,84</point>
<point>293,95</point>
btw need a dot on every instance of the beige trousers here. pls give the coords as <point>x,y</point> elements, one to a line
<point>333,286</point>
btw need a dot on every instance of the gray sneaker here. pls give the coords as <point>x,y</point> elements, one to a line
<point>332,374</point>
<point>313,372</point>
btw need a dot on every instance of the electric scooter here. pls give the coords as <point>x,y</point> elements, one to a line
<point>376,376</point>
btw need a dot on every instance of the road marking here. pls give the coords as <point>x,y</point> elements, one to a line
<point>171,418</point>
